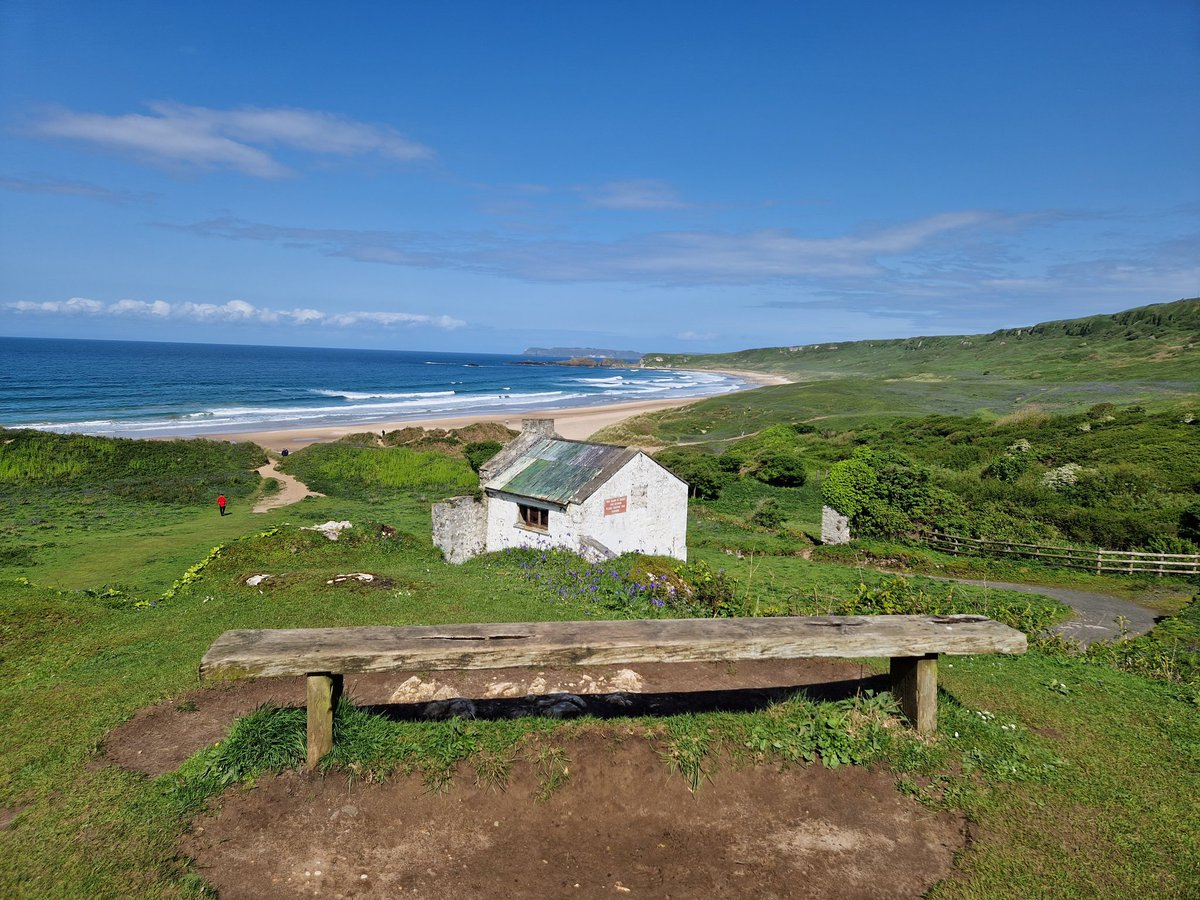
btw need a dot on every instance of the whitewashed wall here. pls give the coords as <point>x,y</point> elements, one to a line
<point>654,519</point>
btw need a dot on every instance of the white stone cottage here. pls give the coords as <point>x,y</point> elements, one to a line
<point>542,490</point>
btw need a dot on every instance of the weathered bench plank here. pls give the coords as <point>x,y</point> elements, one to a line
<point>240,654</point>
<point>326,654</point>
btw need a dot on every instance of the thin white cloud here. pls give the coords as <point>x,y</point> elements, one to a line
<point>683,257</point>
<point>232,312</point>
<point>71,188</point>
<point>230,139</point>
<point>696,335</point>
<point>392,318</point>
<point>945,261</point>
<point>640,194</point>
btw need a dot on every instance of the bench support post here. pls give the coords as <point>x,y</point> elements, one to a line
<point>324,690</point>
<point>914,685</point>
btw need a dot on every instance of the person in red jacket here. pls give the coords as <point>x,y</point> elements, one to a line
<point>221,504</point>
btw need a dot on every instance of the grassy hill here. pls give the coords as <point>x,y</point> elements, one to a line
<point>1157,342</point>
<point>1148,356</point>
<point>1134,475</point>
<point>1028,747</point>
<point>116,573</point>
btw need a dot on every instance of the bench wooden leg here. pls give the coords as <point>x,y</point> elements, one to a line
<point>914,685</point>
<point>324,690</point>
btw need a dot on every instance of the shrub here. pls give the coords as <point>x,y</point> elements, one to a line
<point>882,492</point>
<point>350,471</point>
<point>1095,487</point>
<point>781,469</point>
<point>1062,477</point>
<point>768,514</point>
<point>1189,522</point>
<point>1032,416</point>
<point>701,472</point>
<point>962,457</point>
<point>1104,527</point>
<point>731,461</point>
<point>479,452</point>
<point>1163,543</point>
<point>849,486</point>
<point>1007,468</point>
<point>178,472</point>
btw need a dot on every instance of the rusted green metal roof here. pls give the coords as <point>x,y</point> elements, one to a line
<point>560,471</point>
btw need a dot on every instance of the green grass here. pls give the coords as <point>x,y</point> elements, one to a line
<point>1160,342</point>
<point>179,473</point>
<point>1148,356</point>
<point>1113,825</point>
<point>1089,791</point>
<point>372,473</point>
<point>1137,474</point>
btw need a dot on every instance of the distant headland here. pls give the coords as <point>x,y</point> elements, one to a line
<point>579,352</point>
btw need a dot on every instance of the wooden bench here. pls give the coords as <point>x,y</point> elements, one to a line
<point>324,655</point>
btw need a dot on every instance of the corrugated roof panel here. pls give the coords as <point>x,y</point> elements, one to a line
<point>559,471</point>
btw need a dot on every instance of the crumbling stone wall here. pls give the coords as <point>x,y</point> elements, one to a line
<point>460,528</point>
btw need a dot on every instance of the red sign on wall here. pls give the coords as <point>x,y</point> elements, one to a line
<point>615,505</point>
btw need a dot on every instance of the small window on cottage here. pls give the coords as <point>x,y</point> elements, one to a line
<point>534,517</point>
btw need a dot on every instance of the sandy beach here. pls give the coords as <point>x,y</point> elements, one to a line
<point>763,379</point>
<point>577,424</point>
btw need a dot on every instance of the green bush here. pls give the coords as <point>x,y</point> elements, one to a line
<point>1007,468</point>
<point>700,470</point>
<point>781,469</point>
<point>180,472</point>
<point>769,514</point>
<point>731,461</point>
<point>849,486</point>
<point>350,471</point>
<point>1189,522</point>
<point>479,452</point>
<point>882,492</point>
<point>1164,543</point>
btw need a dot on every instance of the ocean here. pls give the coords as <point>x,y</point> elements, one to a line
<point>139,389</point>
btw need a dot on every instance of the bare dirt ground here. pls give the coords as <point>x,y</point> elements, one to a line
<point>291,489</point>
<point>620,823</point>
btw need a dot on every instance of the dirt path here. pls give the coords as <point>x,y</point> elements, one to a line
<point>291,489</point>
<point>1096,615</point>
<point>616,820</point>
<point>619,823</point>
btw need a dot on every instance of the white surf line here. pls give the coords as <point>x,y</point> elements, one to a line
<point>291,489</point>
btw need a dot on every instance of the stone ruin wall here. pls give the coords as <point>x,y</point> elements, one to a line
<point>835,528</point>
<point>460,528</point>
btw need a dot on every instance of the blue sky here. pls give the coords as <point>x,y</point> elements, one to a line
<point>649,176</point>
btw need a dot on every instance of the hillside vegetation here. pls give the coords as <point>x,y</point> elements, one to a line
<point>1108,477</point>
<point>180,473</point>
<point>1077,768</point>
<point>1026,746</point>
<point>1148,356</point>
<point>1159,342</point>
<point>60,493</point>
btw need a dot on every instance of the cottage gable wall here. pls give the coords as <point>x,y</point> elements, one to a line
<point>642,508</point>
<point>638,507</point>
